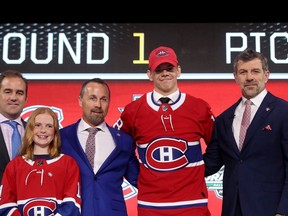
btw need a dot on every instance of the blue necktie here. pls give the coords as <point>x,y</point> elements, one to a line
<point>16,138</point>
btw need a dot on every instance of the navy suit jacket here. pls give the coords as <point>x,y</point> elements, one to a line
<point>4,156</point>
<point>102,193</point>
<point>258,175</point>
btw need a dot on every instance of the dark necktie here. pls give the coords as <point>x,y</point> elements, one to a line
<point>90,145</point>
<point>16,137</point>
<point>164,100</point>
<point>245,123</point>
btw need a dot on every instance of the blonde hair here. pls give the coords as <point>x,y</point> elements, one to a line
<point>27,148</point>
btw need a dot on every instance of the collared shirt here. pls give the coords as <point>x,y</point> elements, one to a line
<point>7,132</point>
<point>104,142</point>
<point>240,110</point>
<point>174,96</point>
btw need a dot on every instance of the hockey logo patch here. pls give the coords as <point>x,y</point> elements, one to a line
<point>58,111</point>
<point>39,207</point>
<point>166,154</point>
<point>164,107</point>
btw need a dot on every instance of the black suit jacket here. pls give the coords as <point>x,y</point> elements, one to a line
<point>4,156</point>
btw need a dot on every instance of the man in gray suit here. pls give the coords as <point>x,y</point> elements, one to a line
<point>13,96</point>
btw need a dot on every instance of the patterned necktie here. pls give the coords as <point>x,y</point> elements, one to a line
<point>245,123</point>
<point>16,138</point>
<point>164,100</point>
<point>90,145</point>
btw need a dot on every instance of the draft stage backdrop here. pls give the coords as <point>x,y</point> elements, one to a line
<point>62,97</point>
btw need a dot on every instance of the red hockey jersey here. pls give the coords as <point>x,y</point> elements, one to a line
<point>171,180</point>
<point>41,187</point>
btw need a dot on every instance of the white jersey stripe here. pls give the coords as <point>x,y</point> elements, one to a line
<point>167,204</point>
<point>144,145</point>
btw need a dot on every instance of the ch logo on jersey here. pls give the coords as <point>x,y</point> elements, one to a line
<point>27,111</point>
<point>39,207</point>
<point>166,154</point>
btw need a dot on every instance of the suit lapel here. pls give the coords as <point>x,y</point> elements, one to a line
<point>262,113</point>
<point>75,143</point>
<point>117,140</point>
<point>4,153</point>
<point>229,125</point>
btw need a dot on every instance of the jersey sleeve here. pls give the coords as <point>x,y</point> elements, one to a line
<point>208,121</point>
<point>126,120</point>
<point>71,204</point>
<point>8,200</point>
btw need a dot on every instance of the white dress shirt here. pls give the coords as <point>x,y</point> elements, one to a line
<point>173,97</point>
<point>240,110</point>
<point>103,139</point>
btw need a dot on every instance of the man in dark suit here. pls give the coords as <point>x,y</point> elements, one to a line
<point>13,96</point>
<point>115,157</point>
<point>255,177</point>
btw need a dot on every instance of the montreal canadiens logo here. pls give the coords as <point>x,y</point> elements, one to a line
<point>27,111</point>
<point>162,53</point>
<point>166,154</point>
<point>39,207</point>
